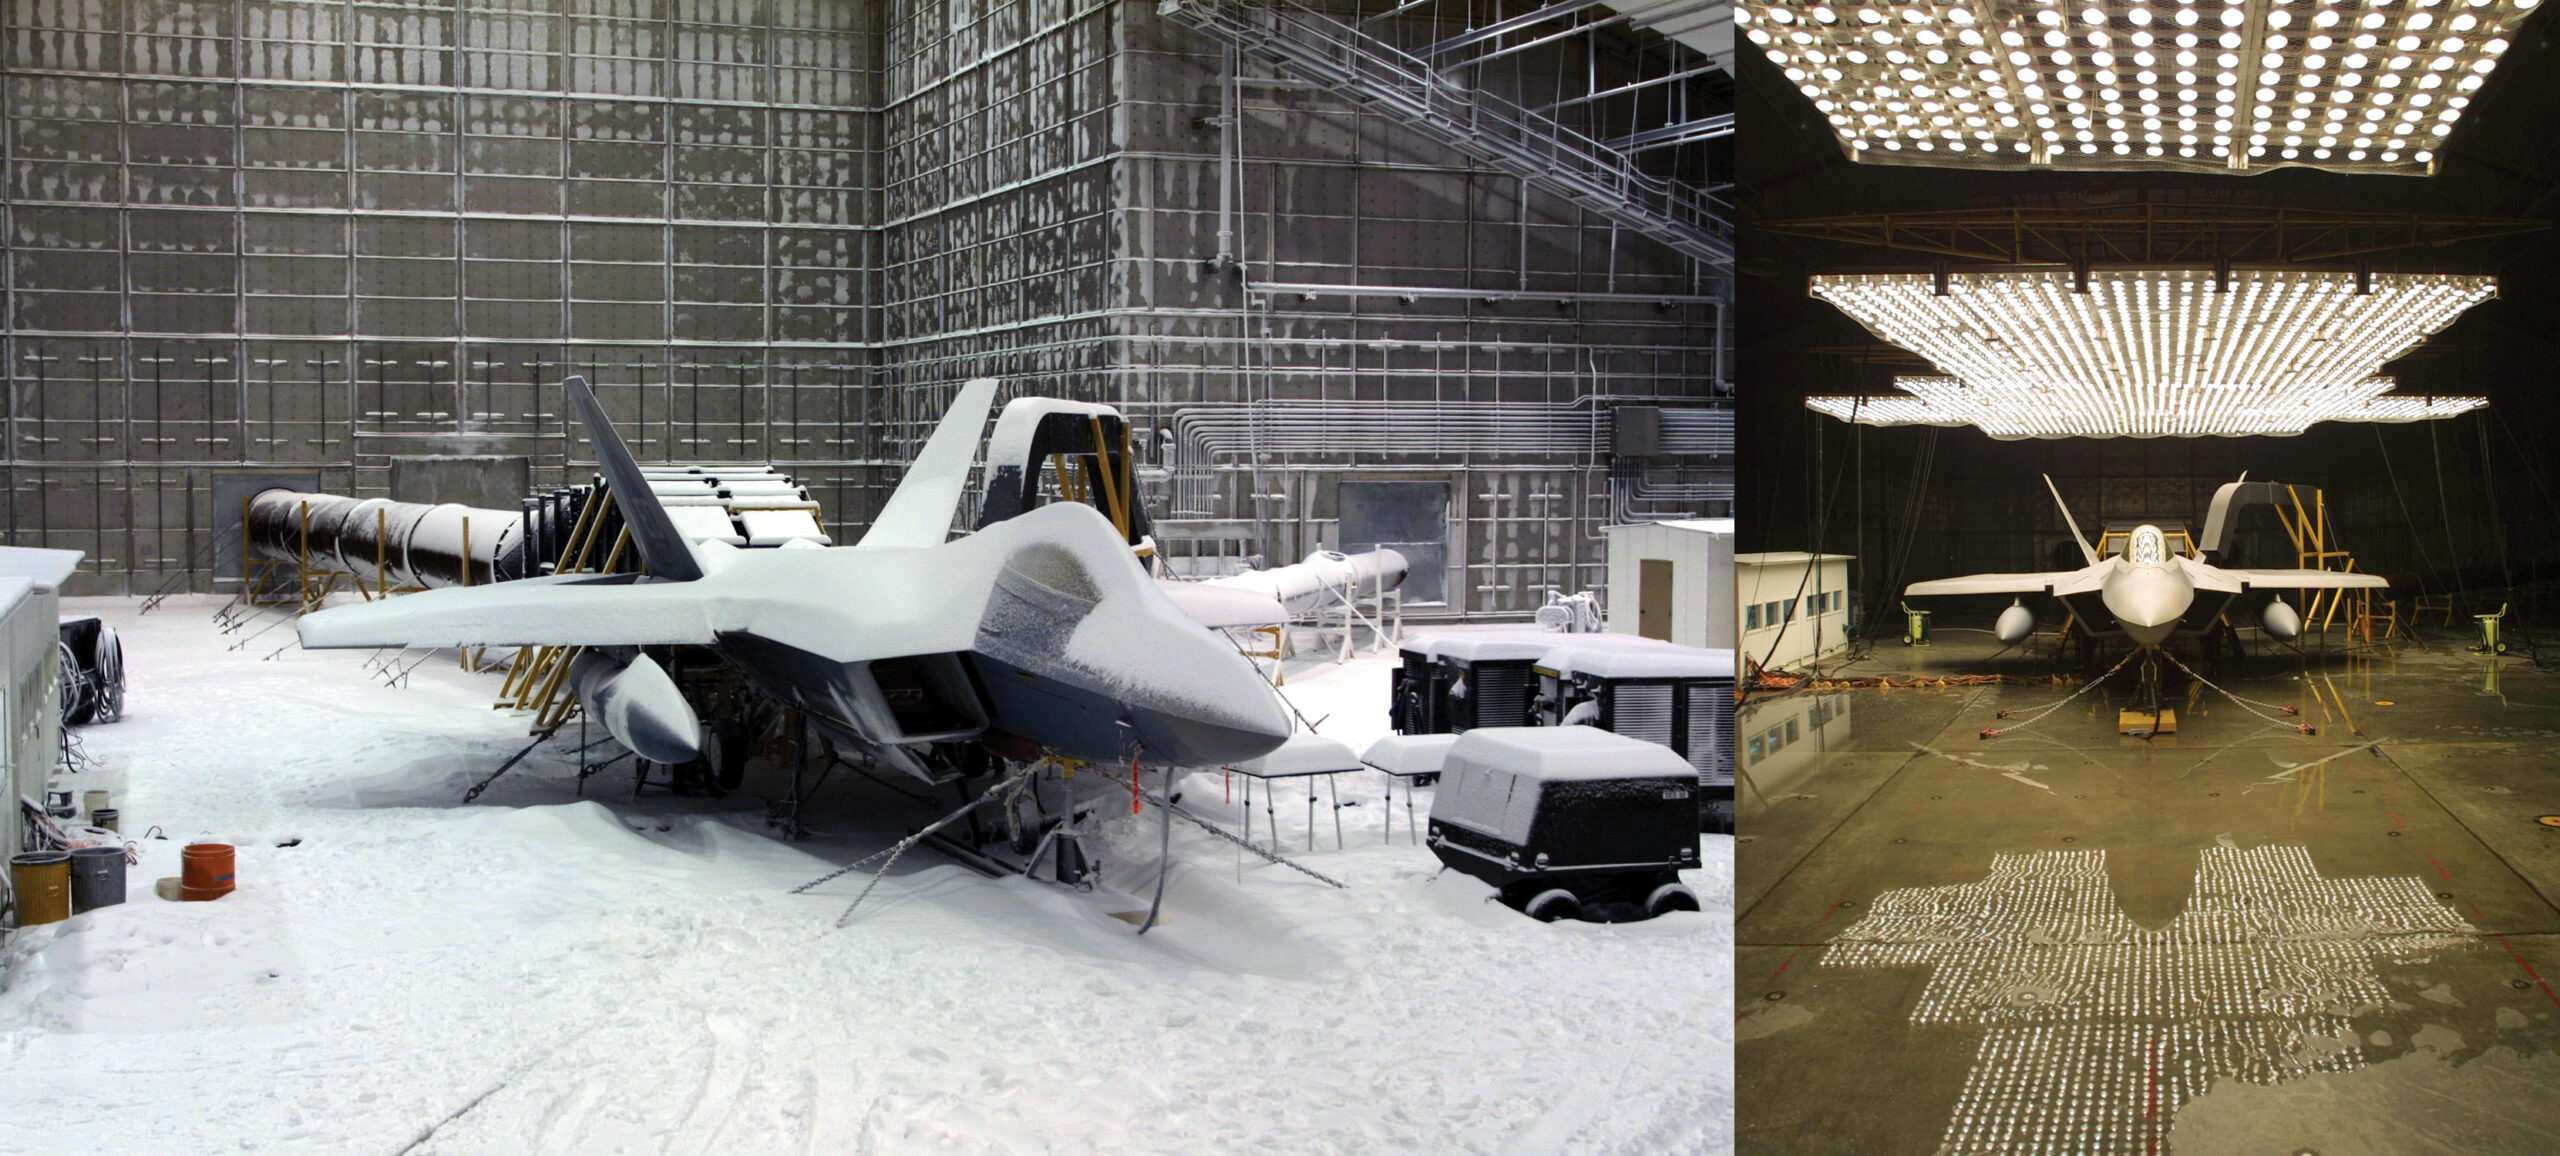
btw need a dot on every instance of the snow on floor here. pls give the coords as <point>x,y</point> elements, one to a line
<point>537,973</point>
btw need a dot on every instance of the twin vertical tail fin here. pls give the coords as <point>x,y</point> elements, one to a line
<point>920,512</point>
<point>2087,552</point>
<point>662,548</point>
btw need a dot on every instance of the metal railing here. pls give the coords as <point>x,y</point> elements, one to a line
<point>1371,73</point>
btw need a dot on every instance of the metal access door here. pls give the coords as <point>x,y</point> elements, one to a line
<point>1653,598</point>
<point>1411,518</point>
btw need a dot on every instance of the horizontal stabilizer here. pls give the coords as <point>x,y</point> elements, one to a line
<point>519,614</point>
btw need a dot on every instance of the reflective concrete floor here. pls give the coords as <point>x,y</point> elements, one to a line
<point>2235,939</point>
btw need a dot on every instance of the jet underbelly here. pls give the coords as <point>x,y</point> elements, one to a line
<point>882,705</point>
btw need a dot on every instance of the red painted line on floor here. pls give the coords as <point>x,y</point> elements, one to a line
<point>2483,917</point>
<point>1790,960</point>
<point>2528,970</point>
<point>1826,912</point>
<point>2395,818</point>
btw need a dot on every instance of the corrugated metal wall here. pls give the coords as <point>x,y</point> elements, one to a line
<point>271,237</point>
<point>261,236</point>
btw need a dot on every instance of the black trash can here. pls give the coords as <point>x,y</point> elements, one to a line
<point>97,878</point>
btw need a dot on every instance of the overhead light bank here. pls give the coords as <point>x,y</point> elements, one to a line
<point>2347,85</point>
<point>2016,413</point>
<point>2151,353</point>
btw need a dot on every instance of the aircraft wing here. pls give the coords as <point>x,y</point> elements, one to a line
<point>532,612</point>
<point>2028,583</point>
<point>2307,579</point>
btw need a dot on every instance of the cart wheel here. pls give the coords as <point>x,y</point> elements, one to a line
<point>1552,904</point>
<point>2502,646</point>
<point>1670,897</point>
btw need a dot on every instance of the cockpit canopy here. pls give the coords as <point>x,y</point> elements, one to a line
<point>2146,546</point>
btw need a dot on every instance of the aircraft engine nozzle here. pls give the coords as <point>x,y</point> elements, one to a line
<point>2281,620</point>
<point>639,706</point>
<point>2016,623</point>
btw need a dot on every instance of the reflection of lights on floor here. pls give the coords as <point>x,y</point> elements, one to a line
<point>2100,1028</point>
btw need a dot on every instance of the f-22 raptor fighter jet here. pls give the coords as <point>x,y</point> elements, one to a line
<point>2146,591</point>
<point>1037,635</point>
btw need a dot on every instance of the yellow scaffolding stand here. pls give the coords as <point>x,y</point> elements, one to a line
<point>2315,547</point>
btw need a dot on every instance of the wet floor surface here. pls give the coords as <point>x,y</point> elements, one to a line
<point>2236,938</point>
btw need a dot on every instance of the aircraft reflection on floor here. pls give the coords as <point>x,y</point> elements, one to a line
<point>2097,1029</point>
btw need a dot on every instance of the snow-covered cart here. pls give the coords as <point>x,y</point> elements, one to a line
<point>1569,821</point>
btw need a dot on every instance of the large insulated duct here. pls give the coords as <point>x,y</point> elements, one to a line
<point>1322,579</point>
<point>387,543</point>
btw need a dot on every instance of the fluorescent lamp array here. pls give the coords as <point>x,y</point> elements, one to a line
<point>2350,85</point>
<point>2011,414</point>
<point>2153,353</point>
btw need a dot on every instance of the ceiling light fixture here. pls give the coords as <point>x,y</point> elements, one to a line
<point>2013,414</point>
<point>2008,91</point>
<point>2153,353</point>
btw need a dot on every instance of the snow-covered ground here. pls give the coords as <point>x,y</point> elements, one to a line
<point>536,973</point>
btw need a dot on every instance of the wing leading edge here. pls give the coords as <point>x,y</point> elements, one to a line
<point>528,613</point>
<point>2308,580</point>
<point>2050,582</point>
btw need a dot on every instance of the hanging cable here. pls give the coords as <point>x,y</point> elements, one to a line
<point>2415,538</point>
<point>1831,496</point>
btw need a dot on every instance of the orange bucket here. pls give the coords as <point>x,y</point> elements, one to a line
<point>207,874</point>
<point>41,880</point>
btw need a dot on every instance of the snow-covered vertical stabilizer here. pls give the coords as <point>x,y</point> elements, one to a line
<point>662,546</point>
<point>919,514</point>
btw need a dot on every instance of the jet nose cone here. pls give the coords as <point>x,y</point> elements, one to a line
<point>1231,715</point>
<point>1196,742</point>
<point>2148,602</point>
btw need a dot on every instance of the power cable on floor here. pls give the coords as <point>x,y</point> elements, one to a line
<point>2041,715</point>
<point>2245,704</point>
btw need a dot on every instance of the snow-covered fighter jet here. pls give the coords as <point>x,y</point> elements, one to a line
<point>2145,592</point>
<point>1037,633</point>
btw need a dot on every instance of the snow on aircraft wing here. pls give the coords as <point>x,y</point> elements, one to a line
<point>2307,579</point>
<point>527,613</point>
<point>919,513</point>
<point>1992,584</point>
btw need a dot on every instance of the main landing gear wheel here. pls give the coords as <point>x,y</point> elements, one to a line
<point>724,753</point>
